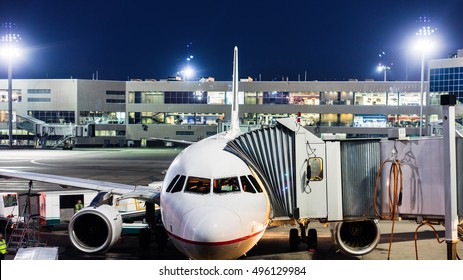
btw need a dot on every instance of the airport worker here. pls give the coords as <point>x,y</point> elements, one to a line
<point>78,206</point>
<point>2,247</point>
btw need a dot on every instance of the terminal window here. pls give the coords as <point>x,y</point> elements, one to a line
<point>54,116</point>
<point>39,91</point>
<point>15,94</point>
<point>447,80</point>
<point>185,97</point>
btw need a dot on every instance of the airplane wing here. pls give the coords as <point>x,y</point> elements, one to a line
<point>177,141</point>
<point>149,193</point>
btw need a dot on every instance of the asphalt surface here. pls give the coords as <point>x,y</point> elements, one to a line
<point>141,166</point>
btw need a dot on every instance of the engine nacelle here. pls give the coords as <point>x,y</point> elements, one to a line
<point>95,229</point>
<point>356,238</point>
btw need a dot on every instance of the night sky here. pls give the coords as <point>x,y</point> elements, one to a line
<point>295,39</point>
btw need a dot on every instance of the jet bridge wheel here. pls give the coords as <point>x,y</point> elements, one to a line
<point>294,239</point>
<point>312,239</point>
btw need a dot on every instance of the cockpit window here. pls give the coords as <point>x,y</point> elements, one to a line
<point>255,183</point>
<point>246,184</point>
<point>226,185</point>
<point>172,183</point>
<point>198,185</point>
<point>179,184</point>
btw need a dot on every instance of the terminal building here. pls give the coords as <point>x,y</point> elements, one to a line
<point>132,113</point>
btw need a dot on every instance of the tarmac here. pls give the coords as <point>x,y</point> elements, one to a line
<point>142,166</point>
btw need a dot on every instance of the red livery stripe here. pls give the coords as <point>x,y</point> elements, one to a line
<point>220,243</point>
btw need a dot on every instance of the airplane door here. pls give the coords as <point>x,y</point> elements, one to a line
<point>67,204</point>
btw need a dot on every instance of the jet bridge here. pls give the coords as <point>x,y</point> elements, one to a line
<point>307,178</point>
<point>60,135</point>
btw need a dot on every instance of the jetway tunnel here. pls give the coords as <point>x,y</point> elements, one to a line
<point>280,154</point>
<point>270,151</point>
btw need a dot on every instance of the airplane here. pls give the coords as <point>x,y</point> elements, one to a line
<point>213,205</point>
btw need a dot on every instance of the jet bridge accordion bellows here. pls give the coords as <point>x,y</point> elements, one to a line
<point>270,153</point>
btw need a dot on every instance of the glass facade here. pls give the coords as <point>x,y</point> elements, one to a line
<point>301,98</point>
<point>99,117</point>
<point>4,116</point>
<point>185,97</point>
<point>38,99</point>
<point>54,116</point>
<point>276,97</point>
<point>445,81</point>
<point>175,118</point>
<point>350,104</point>
<point>106,133</point>
<point>15,93</point>
<point>38,91</point>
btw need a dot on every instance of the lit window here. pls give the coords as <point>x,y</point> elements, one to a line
<point>226,185</point>
<point>198,185</point>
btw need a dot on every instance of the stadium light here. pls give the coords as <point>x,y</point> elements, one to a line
<point>10,49</point>
<point>188,72</point>
<point>424,44</point>
<point>383,68</point>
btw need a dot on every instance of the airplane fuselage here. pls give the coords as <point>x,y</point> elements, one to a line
<point>212,205</point>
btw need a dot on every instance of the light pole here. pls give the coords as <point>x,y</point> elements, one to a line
<point>383,68</point>
<point>8,42</point>
<point>424,44</point>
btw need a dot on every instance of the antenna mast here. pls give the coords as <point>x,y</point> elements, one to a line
<point>235,121</point>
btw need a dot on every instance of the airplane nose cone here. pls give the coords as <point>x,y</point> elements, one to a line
<point>210,232</point>
<point>211,225</point>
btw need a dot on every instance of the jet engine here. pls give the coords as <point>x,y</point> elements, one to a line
<point>95,229</point>
<point>356,238</point>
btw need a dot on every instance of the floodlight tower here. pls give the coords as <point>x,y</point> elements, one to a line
<point>424,45</point>
<point>383,66</point>
<point>9,49</point>
<point>187,71</point>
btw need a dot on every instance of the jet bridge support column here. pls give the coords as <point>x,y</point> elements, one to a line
<point>450,177</point>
